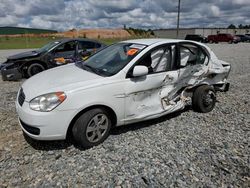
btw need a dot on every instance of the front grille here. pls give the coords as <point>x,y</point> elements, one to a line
<point>30,129</point>
<point>21,97</point>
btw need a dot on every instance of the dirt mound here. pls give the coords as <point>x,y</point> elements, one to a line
<point>85,33</point>
<point>96,33</point>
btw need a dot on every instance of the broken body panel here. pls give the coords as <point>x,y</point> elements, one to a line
<point>163,93</point>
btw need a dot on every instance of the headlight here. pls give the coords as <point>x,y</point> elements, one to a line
<point>47,102</point>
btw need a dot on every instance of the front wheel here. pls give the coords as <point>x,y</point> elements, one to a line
<point>204,99</point>
<point>91,128</point>
<point>34,68</point>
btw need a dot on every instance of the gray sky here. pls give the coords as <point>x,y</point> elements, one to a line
<point>68,14</point>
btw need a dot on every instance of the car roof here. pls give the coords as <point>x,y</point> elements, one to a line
<point>79,39</point>
<point>151,41</point>
<point>193,35</point>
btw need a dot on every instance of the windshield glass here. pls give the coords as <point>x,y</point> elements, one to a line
<point>112,59</point>
<point>48,46</point>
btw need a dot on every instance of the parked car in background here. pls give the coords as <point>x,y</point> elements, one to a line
<point>127,82</point>
<point>244,38</point>
<point>223,37</point>
<point>60,52</point>
<point>198,38</point>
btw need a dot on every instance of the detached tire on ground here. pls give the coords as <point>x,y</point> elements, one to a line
<point>204,99</point>
<point>34,68</point>
<point>91,128</point>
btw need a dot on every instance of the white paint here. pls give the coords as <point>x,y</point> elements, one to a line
<point>132,99</point>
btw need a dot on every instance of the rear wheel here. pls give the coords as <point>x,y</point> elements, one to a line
<point>204,99</point>
<point>91,128</point>
<point>34,68</point>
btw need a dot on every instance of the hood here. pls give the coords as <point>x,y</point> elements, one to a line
<point>63,78</point>
<point>24,55</point>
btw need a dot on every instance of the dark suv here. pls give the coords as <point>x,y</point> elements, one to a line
<point>27,64</point>
<point>244,38</point>
<point>198,38</point>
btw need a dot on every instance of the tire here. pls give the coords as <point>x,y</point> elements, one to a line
<point>204,99</point>
<point>34,68</point>
<point>91,128</point>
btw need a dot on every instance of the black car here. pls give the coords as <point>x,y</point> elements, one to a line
<point>27,64</point>
<point>243,38</point>
<point>198,38</point>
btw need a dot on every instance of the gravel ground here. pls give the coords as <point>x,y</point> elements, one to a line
<point>184,149</point>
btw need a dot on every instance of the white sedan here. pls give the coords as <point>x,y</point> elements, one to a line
<point>127,82</point>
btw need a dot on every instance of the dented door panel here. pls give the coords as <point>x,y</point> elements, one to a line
<point>163,93</point>
<point>142,95</point>
<point>150,95</point>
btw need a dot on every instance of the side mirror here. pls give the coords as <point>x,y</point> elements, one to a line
<point>140,70</point>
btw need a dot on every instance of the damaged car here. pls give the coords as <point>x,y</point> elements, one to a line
<point>127,82</point>
<point>60,52</point>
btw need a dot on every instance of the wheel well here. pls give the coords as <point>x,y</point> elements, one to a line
<point>36,61</point>
<point>24,67</point>
<point>195,87</point>
<point>110,111</point>
<point>192,89</point>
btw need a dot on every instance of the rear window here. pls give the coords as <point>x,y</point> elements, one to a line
<point>87,45</point>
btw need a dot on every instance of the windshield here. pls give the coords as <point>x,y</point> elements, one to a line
<point>48,46</point>
<point>112,59</point>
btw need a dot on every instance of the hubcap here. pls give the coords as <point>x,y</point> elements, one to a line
<point>97,127</point>
<point>36,70</point>
<point>208,98</point>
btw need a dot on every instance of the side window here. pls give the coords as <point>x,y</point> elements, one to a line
<point>192,55</point>
<point>68,46</point>
<point>98,45</point>
<point>86,45</point>
<point>159,60</point>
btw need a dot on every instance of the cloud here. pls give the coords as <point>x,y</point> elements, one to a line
<point>9,20</point>
<point>215,11</point>
<point>242,2</point>
<point>114,5</point>
<point>68,14</point>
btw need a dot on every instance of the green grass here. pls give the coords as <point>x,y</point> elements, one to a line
<point>35,42</point>
<point>22,42</point>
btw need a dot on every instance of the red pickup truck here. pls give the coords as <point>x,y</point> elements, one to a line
<point>223,38</point>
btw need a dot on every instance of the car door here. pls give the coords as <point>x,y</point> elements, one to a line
<point>86,48</point>
<point>145,95</point>
<point>193,61</point>
<point>224,38</point>
<point>66,50</point>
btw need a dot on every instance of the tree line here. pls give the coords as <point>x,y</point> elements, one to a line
<point>240,26</point>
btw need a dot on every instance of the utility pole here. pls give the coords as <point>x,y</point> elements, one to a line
<point>178,19</point>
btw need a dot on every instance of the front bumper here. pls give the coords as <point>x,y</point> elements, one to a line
<point>44,125</point>
<point>11,74</point>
